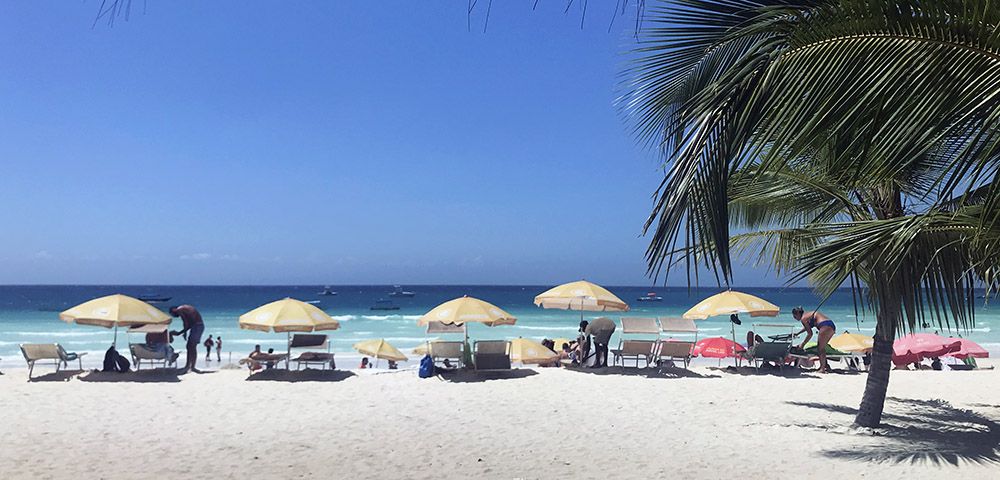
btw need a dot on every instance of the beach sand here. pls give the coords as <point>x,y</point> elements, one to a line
<point>542,423</point>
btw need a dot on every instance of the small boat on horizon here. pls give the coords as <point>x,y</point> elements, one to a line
<point>383,304</point>
<point>154,298</point>
<point>650,297</point>
<point>399,292</point>
<point>326,291</point>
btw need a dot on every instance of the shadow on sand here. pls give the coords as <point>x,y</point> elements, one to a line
<point>788,372</point>
<point>158,375</point>
<point>920,431</point>
<point>60,376</point>
<point>647,372</point>
<point>294,376</point>
<point>471,376</point>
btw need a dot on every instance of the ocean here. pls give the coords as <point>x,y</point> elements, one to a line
<point>30,314</point>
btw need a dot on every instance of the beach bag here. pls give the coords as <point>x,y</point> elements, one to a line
<point>115,362</point>
<point>110,360</point>
<point>426,367</point>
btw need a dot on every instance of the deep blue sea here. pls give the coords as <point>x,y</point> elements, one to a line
<point>30,314</point>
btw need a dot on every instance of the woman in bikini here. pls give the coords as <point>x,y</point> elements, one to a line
<point>823,325</point>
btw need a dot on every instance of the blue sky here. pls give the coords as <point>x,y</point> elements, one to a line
<point>320,142</point>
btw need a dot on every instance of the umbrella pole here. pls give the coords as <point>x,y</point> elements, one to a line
<point>115,343</point>
<point>288,359</point>
<point>736,359</point>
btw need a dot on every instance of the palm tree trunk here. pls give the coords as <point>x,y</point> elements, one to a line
<point>873,400</point>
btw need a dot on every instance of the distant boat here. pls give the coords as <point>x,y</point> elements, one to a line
<point>314,302</point>
<point>399,292</point>
<point>650,297</point>
<point>327,291</point>
<point>383,304</point>
<point>152,298</point>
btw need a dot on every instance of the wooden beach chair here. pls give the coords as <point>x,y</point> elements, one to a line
<point>312,342</point>
<point>491,355</point>
<point>35,352</point>
<point>670,351</point>
<point>636,349</point>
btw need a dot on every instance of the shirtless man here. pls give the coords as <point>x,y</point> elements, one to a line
<point>823,325</point>
<point>193,327</point>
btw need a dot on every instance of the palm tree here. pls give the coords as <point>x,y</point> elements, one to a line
<point>845,141</point>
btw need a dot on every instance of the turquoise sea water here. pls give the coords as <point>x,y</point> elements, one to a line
<point>29,314</point>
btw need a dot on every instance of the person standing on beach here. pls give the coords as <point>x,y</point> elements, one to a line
<point>823,325</point>
<point>194,327</point>
<point>208,349</point>
<point>218,348</point>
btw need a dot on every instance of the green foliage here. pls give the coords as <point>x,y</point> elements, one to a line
<point>850,140</point>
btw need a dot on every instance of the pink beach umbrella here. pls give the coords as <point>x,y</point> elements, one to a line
<point>717,347</point>
<point>917,346</point>
<point>968,348</point>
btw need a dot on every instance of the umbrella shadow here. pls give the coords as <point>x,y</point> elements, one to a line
<point>647,372</point>
<point>295,376</point>
<point>60,376</point>
<point>919,432</point>
<point>157,375</point>
<point>772,371</point>
<point>472,376</point>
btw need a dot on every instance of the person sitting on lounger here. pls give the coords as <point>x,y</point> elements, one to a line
<point>823,325</point>
<point>364,363</point>
<point>252,362</point>
<point>393,365</point>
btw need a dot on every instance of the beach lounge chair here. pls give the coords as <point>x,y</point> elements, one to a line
<point>671,350</point>
<point>313,342</point>
<point>775,352</point>
<point>636,349</point>
<point>451,351</point>
<point>34,352</point>
<point>264,361</point>
<point>491,355</point>
<point>141,353</point>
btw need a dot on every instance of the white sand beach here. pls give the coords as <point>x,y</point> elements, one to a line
<point>541,423</point>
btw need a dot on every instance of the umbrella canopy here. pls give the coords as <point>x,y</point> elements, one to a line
<point>730,302</point>
<point>916,346</point>
<point>968,348</point>
<point>717,347</point>
<point>288,315</point>
<point>467,310</point>
<point>115,310</point>
<point>380,349</point>
<point>529,351</point>
<point>852,342</point>
<point>581,295</point>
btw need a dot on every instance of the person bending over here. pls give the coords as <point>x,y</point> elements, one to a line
<point>823,325</point>
<point>194,327</point>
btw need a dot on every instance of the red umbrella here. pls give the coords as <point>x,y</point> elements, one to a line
<point>917,346</point>
<point>717,347</point>
<point>968,348</point>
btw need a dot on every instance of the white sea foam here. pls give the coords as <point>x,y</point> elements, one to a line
<point>343,318</point>
<point>557,328</point>
<point>59,334</point>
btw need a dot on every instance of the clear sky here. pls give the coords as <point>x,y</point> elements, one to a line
<point>239,142</point>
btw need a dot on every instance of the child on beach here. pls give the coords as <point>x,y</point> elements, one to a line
<point>209,343</point>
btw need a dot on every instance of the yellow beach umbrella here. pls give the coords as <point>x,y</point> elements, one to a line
<point>852,342</point>
<point>581,295</point>
<point>380,349</point>
<point>461,311</point>
<point>288,315</point>
<point>115,310</point>
<point>729,302</point>
<point>529,351</point>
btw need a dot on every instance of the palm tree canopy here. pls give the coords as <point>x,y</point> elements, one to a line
<point>847,139</point>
